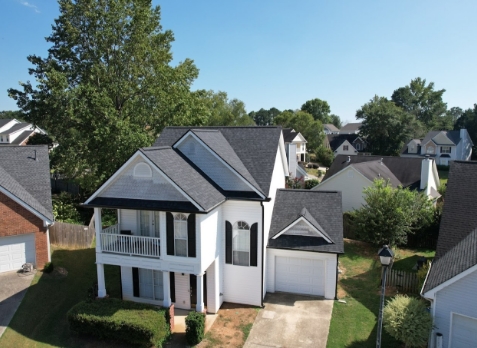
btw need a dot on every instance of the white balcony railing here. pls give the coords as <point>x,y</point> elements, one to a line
<point>130,245</point>
<point>114,229</point>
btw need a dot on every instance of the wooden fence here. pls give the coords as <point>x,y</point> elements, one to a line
<point>71,235</point>
<point>403,281</point>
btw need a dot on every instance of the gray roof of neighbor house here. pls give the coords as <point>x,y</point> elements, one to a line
<point>331,127</point>
<point>322,209</point>
<point>376,170</point>
<point>407,170</point>
<point>288,135</point>
<point>457,242</point>
<point>255,147</point>
<point>335,140</point>
<point>351,127</point>
<point>16,127</point>
<point>25,174</point>
<point>4,121</point>
<point>453,136</point>
<point>21,138</point>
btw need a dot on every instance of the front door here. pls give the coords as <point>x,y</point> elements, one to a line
<point>149,223</point>
<point>182,290</point>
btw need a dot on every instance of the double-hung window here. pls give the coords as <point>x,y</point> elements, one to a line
<point>241,244</point>
<point>180,234</point>
<point>345,147</point>
<point>445,149</point>
<point>151,284</point>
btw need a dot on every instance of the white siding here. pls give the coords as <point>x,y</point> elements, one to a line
<point>128,220</point>
<point>459,298</point>
<point>329,261</point>
<point>351,183</point>
<point>207,241</point>
<point>182,290</point>
<point>212,166</point>
<point>126,185</point>
<point>350,152</point>
<point>127,283</point>
<point>464,148</point>
<point>243,284</point>
<point>213,291</point>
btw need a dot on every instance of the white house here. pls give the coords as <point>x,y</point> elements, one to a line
<point>451,283</point>
<point>444,146</point>
<point>329,128</point>
<point>290,136</point>
<point>295,169</point>
<point>14,132</point>
<point>346,144</point>
<point>351,174</point>
<point>201,221</point>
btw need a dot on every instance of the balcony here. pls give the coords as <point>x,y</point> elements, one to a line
<point>114,242</point>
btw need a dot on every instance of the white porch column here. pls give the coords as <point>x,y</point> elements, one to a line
<point>98,227</point>
<point>101,282</point>
<point>167,289</point>
<point>200,293</point>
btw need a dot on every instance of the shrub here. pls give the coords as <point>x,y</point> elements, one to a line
<point>311,183</point>
<point>422,273</point>
<point>295,183</point>
<point>48,268</point>
<point>407,320</point>
<point>64,209</point>
<point>195,327</point>
<point>130,322</point>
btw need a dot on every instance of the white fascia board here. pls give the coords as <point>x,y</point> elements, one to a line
<point>191,134</point>
<point>138,153</point>
<point>281,146</point>
<point>300,169</point>
<point>26,206</point>
<point>431,293</point>
<point>301,138</point>
<point>301,218</point>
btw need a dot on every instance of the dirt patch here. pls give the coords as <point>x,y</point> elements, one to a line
<point>232,326</point>
<point>341,293</point>
<point>58,272</point>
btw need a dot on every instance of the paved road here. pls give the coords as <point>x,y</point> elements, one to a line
<point>289,320</point>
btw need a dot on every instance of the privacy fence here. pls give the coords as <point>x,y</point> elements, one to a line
<point>403,281</point>
<point>71,235</point>
<point>60,184</point>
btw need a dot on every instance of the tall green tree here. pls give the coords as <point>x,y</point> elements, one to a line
<point>264,117</point>
<point>17,114</point>
<point>336,121</point>
<point>422,101</point>
<point>319,109</point>
<point>385,126</point>
<point>224,112</point>
<point>107,86</point>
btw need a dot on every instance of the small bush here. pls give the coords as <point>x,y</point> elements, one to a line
<point>114,319</point>
<point>407,320</point>
<point>48,268</point>
<point>311,183</point>
<point>64,209</point>
<point>195,327</point>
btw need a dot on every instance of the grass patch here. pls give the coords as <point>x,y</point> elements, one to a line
<point>406,259</point>
<point>443,176</point>
<point>354,324</point>
<point>41,321</point>
<point>246,330</point>
<point>212,340</point>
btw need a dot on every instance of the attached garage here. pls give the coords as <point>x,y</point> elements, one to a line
<point>15,251</point>
<point>299,275</point>
<point>464,331</point>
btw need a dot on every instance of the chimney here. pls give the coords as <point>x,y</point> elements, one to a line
<point>381,161</point>
<point>462,133</point>
<point>426,175</point>
<point>349,159</point>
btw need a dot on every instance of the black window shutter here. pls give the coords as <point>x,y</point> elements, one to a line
<point>172,280</point>
<point>253,244</point>
<point>228,242</point>
<point>191,235</point>
<point>170,233</point>
<point>135,275</point>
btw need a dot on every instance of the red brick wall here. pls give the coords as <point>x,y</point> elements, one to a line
<point>15,220</point>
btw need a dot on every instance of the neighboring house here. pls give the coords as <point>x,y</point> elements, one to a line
<point>14,132</point>
<point>25,206</point>
<point>295,169</point>
<point>203,218</point>
<point>290,136</point>
<point>444,146</point>
<point>330,129</point>
<point>351,174</point>
<point>451,283</point>
<point>346,144</point>
<point>350,128</point>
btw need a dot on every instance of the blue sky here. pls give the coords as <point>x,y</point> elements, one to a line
<point>282,53</point>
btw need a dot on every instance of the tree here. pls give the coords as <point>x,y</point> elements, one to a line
<point>422,101</point>
<point>319,109</point>
<point>390,214</point>
<point>224,112</point>
<point>336,121</point>
<point>304,123</point>
<point>325,156</point>
<point>40,139</point>
<point>264,117</point>
<point>6,114</point>
<point>107,86</point>
<point>385,126</point>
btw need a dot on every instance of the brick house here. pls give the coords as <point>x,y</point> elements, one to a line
<point>25,206</point>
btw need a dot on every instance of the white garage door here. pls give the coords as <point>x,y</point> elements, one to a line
<point>464,332</point>
<point>15,251</point>
<point>301,276</point>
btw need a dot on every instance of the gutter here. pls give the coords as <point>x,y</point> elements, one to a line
<point>263,251</point>
<point>337,273</point>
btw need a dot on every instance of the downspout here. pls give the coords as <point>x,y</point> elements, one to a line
<point>262,285</point>
<point>337,272</point>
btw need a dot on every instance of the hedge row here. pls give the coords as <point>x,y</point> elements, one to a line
<point>130,322</point>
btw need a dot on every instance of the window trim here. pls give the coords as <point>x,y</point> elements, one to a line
<point>345,147</point>
<point>187,233</point>
<point>447,147</point>
<point>430,148</point>
<point>235,229</point>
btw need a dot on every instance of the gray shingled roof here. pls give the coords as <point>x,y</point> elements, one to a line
<point>16,127</point>
<point>335,140</point>
<point>26,178</point>
<point>457,242</point>
<point>288,135</point>
<point>376,170</point>
<point>453,136</point>
<point>406,169</point>
<point>325,213</point>
<point>351,127</point>
<point>256,147</point>
<point>216,142</point>
<point>4,121</point>
<point>20,139</point>
<point>331,127</point>
<point>184,176</point>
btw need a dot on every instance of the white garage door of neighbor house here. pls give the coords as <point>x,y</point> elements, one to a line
<point>464,332</point>
<point>300,276</point>
<point>15,251</point>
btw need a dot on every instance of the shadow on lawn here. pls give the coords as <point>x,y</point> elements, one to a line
<point>41,316</point>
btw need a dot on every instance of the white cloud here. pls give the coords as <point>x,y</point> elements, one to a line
<point>27,4</point>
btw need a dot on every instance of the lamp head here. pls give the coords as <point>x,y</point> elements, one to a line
<point>385,255</point>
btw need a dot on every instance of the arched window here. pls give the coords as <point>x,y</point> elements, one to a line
<point>241,244</point>
<point>142,170</point>
<point>180,234</point>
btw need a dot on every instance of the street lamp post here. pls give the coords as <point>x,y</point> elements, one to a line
<point>385,256</point>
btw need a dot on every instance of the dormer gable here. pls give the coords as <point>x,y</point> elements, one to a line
<point>442,139</point>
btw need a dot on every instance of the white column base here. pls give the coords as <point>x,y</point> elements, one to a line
<point>167,289</point>
<point>101,282</point>
<point>200,293</point>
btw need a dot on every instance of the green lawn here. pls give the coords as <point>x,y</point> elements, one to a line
<point>443,176</point>
<point>41,318</point>
<point>354,324</point>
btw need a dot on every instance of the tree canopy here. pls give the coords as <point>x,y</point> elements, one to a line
<point>107,86</point>
<point>224,112</point>
<point>264,117</point>
<point>320,110</point>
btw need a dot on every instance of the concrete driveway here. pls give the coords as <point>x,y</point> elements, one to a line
<point>13,287</point>
<point>289,320</point>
